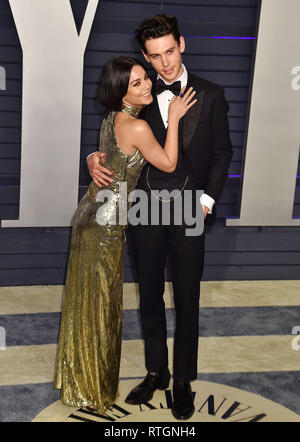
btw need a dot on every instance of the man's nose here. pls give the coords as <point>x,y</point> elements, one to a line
<point>164,61</point>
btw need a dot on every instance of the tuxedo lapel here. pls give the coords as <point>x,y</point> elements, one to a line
<point>188,123</point>
<point>190,120</point>
<point>153,117</point>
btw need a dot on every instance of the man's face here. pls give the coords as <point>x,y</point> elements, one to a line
<point>164,54</point>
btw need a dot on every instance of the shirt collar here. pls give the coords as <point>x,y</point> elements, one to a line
<point>183,77</point>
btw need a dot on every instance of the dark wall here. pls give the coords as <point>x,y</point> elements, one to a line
<point>220,44</point>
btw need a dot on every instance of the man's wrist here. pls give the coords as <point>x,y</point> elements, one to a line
<point>207,201</point>
<point>92,153</point>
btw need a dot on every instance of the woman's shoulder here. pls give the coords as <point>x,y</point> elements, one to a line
<point>139,126</point>
<point>132,125</point>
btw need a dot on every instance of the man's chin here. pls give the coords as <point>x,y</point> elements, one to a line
<point>171,75</point>
<point>168,74</point>
<point>168,77</point>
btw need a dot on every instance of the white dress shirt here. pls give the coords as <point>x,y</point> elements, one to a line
<point>163,100</point>
<point>165,97</point>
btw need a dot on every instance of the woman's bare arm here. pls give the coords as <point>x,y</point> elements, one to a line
<point>144,140</point>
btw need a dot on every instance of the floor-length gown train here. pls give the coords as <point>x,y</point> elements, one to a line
<point>89,348</point>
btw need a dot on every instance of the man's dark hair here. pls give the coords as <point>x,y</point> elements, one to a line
<point>156,27</point>
<point>114,82</point>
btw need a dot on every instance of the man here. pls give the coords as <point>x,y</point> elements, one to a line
<point>205,152</point>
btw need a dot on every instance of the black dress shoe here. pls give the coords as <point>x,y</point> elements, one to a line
<point>143,392</point>
<point>183,404</point>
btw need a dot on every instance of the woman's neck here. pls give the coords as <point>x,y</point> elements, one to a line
<point>134,111</point>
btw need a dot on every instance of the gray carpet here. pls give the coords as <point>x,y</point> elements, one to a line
<point>21,403</point>
<point>43,328</point>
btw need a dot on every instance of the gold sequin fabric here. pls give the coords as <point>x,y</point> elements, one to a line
<point>89,347</point>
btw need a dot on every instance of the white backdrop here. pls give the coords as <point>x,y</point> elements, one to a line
<point>273,142</point>
<point>53,56</point>
<point>52,106</point>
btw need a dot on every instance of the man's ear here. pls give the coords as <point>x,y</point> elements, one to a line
<point>146,56</point>
<point>182,44</point>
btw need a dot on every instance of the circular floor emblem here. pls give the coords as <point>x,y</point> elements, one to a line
<point>213,403</point>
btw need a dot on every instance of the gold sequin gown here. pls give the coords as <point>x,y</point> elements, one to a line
<point>89,347</point>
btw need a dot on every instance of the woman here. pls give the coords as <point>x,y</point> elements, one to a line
<point>89,348</point>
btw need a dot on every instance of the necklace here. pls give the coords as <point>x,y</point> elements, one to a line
<point>131,110</point>
<point>161,199</point>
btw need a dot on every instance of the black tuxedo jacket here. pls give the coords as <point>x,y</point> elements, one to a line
<point>207,148</point>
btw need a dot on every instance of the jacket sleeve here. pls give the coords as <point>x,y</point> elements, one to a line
<point>221,147</point>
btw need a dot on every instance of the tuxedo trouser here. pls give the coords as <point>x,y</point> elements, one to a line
<point>151,244</point>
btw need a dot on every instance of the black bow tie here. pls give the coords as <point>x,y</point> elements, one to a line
<point>161,86</point>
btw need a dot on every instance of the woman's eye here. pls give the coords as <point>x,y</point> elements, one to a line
<point>136,84</point>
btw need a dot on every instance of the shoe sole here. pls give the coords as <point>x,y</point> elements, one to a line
<point>188,416</point>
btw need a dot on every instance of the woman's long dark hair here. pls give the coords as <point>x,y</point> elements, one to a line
<point>114,82</point>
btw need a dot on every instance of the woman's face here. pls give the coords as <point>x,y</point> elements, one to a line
<point>139,88</point>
